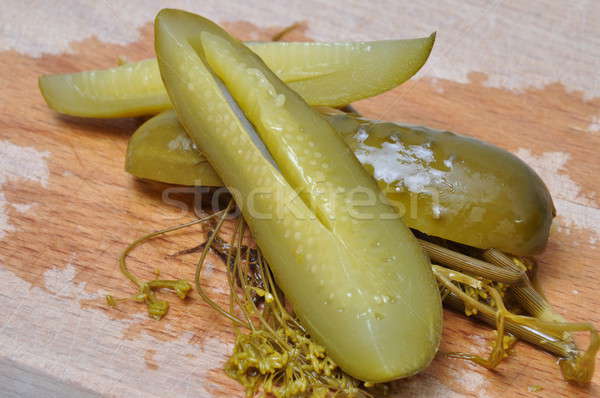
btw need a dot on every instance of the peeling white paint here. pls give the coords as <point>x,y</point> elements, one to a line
<point>5,226</point>
<point>479,344</point>
<point>574,208</point>
<point>208,269</point>
<point>59,281</point>
<point>19,163</point>
<point>473,381</point>
<point>23,207</point>
<point>87,348</point>
<point>594,126</point>
<point>498,39</point>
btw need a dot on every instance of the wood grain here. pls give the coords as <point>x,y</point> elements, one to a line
<point>59,259</point>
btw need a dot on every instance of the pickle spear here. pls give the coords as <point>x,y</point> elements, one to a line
<point>444,184</point>
<point>357,278</point>
<point>331,74</point>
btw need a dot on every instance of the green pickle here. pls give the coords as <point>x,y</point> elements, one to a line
<point>328,74</point>
<point>362,287</point>
<point>454,187</point>
<point>444,184</point>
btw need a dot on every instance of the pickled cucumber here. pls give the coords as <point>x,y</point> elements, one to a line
<point>363,288</point>
<point>332,74</point>
<point>444,184</point>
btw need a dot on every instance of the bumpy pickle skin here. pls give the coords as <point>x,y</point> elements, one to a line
<point>487,197</point>
<point>363,288</point>
<point>331,74</point>
<point>455,187</point>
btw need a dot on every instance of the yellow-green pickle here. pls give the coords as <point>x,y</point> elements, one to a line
<point>362,228</point>
<point>329,74</point>
<point>444,184</point>
<point>361,286</point>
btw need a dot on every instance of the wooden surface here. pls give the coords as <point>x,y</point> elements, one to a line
<point>524,77</point>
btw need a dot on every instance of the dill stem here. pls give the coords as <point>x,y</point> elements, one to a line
<point>464,263</point>
<point>123,258</point>
<point>527,296</point>
<point>200,265</point>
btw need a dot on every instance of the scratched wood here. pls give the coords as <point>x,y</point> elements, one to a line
<point>67,208</point>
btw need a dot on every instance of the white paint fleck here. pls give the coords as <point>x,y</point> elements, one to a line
<point>5,226</point>
<point>23,207</point>
<point>19,163</point>
<point>479,343</point>
<point>208,269</point>
<point>213,348</point>
<point>470,381</point>
<point>437,86</point>
<point>473,381</point>
<point>575,291</point>
<point>574,208</point>
<point>59,281</point>
<point>594,126</point>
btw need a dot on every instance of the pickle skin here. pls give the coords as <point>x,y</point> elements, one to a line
<point>477,194</point>
<point>498,188</point>
<point>329,74</point>
<point>365,291</point>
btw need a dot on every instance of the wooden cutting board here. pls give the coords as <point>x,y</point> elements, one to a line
<point>523,77</point>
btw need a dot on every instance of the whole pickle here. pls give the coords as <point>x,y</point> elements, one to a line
<point>454,187</point>
<point>445,184</point>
